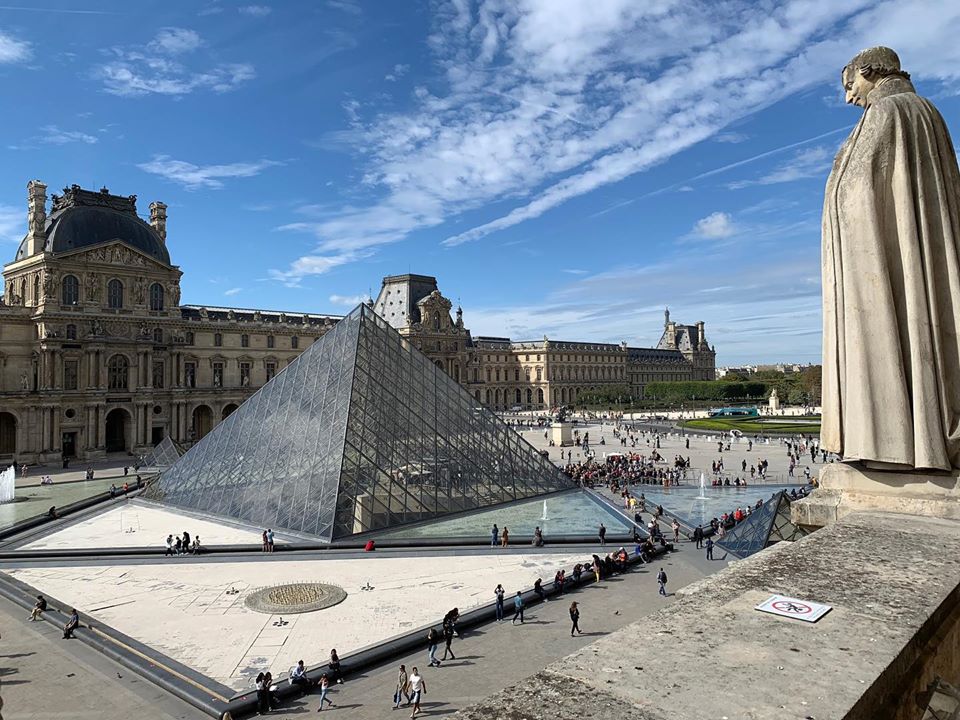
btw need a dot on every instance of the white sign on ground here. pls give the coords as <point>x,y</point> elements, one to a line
<point>794,608</point>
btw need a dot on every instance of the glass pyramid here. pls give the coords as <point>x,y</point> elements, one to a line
<point>165,454</point>
<point>360,432</point>
<point>768,525</point>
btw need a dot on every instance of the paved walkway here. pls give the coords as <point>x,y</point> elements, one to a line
<point>489,658</point>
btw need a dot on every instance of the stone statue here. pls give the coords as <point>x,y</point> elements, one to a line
<point>175,294</point>
<point>93,288</point>
<point>24,381</point>
<point>48,283</point>
<point>891,279</point>
<point>139,291</point>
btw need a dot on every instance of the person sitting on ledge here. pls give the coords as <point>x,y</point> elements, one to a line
<point>298,676</point>
<point>334,666</point>
<point>72,624</point>
<point>113,491</point>
<point>577,572</point>
<point>537,537</point>
<point>52,512</point>
<point>370,546</point>
<point>196,548</point>
<point>38,608</point>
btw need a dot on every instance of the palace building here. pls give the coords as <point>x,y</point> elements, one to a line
<point>98,355</point>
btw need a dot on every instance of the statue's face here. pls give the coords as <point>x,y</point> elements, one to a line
<point>856,87</point>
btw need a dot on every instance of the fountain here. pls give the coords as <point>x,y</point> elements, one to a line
<point>703,486</point>
<point>544,516</point>
<point>7,484</point>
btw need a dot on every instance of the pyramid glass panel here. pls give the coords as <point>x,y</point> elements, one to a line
<point>361,432</point>
<point>165,454</point>
<point>770,524</point>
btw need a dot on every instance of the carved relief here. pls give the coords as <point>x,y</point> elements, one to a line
<point>93,288</point>
<point>139,291</point>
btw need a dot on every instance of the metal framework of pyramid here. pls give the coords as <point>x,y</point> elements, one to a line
<point>361,432</point>
<point>768,525</point>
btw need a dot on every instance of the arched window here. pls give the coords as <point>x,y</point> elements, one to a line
<point>70,290</point>
<point>529,396</point>
<point>158,335</point>
<point>156,297</point>
<point>518,396</point>
<point>36,289</point>
<point>516,375</point>
<point>115,294</point>
<point>540,395</point>
<point>270,341</point>
<point>117,368</point>
<point>217,340</point>
<point>71,332</point>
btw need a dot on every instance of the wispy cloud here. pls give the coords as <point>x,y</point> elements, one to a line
<point>13,223</point>
<point>175,41</point>
<point>807,163</point>
<point>351,7</point>
<point>349,300</point>
<point>233,291</point>
<point>398,72</point>
<point>545,104</point>
<point>314,265</point>
<point>193,177</point>
<point>571,271</point>
<point>162,69</point>
<point>56,11</point>
<point>53,135</point>
<point>731,137</point>
<point>14,50</point>
<point>255,10</point>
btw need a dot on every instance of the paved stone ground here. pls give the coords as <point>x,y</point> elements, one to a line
<point>488,658</point>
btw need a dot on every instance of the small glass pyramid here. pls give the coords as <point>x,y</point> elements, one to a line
<point>360,432</point>
<point>165,454</point>
<point>765,526</point>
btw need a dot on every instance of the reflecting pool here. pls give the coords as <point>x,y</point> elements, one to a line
<point>37,499</point>
<point>566,514</point>
<point>685,502</point>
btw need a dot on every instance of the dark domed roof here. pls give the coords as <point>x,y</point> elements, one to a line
<point>83,218</point>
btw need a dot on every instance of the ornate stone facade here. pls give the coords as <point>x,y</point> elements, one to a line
<point>96,353</point>
<point>539,374</point>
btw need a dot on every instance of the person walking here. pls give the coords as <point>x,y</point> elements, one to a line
<point>447,639</point>
<point>504,537</point>
<point>433,639</point>
<point>517,608</point>
<point>709,548</point>
<point>494,535</point>
<point>603,534</point>
<point>324,687</point>
<point>403,687</point>
<point>662,582</point>
<point>575,619</point>
<point>499,593</point>
<point>698,536</point>
<point>676,530</point>
<point>418,687</point>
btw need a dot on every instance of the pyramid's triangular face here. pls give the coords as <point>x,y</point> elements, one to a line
<point>769,524</point>
<point>361,432</point>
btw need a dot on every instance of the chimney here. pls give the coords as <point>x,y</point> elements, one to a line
<point>701,336</point>
<point>36,217</point>
<point>158,219</point>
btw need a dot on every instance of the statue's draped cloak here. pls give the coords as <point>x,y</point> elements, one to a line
<point>891,287</point>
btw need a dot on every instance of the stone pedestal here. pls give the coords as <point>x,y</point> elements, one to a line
<point>845,489</point>
<point>561,433</point>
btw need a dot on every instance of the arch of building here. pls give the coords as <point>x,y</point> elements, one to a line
<point>9,426</point>
<point>118,424</point>
<point>201,421</point>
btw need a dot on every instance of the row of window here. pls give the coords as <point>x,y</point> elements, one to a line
<point>118,373</point>
<point>245,341</point>
<point>70,293</point>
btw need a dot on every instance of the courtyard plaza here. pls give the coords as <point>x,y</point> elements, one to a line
<point>180,607</point>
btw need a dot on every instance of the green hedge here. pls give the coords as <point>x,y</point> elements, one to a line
<point>715,390</point>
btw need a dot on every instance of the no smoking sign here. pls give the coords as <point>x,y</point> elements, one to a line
<point>794,608</point>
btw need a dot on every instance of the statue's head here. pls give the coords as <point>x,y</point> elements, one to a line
<point>861,75</point>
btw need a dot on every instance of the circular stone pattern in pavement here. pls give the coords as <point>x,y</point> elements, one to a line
<point>295,598</point>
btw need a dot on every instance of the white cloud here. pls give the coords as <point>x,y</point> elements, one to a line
<point>714,226</point>
<point>163,71</point>
<point>349,300</point>
<point>193,176</point>
<point>571,271</point>
<point>52,135</point>
<point>232,291</point>
<point>255,10</point>
<point>547,100</point>
<point>314,265</point>
<point>398,72</point>
<point>811,162</point>
<point>175,41</point>
<point>731,137</point>
<point>13,223</point>
<point>13,50</point>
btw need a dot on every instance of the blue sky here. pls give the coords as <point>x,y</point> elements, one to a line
<point>564,167</point>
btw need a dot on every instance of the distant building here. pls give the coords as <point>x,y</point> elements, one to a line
<point>535,374</point>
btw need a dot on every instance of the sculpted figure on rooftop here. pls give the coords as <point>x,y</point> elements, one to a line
<point>891,278</point>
